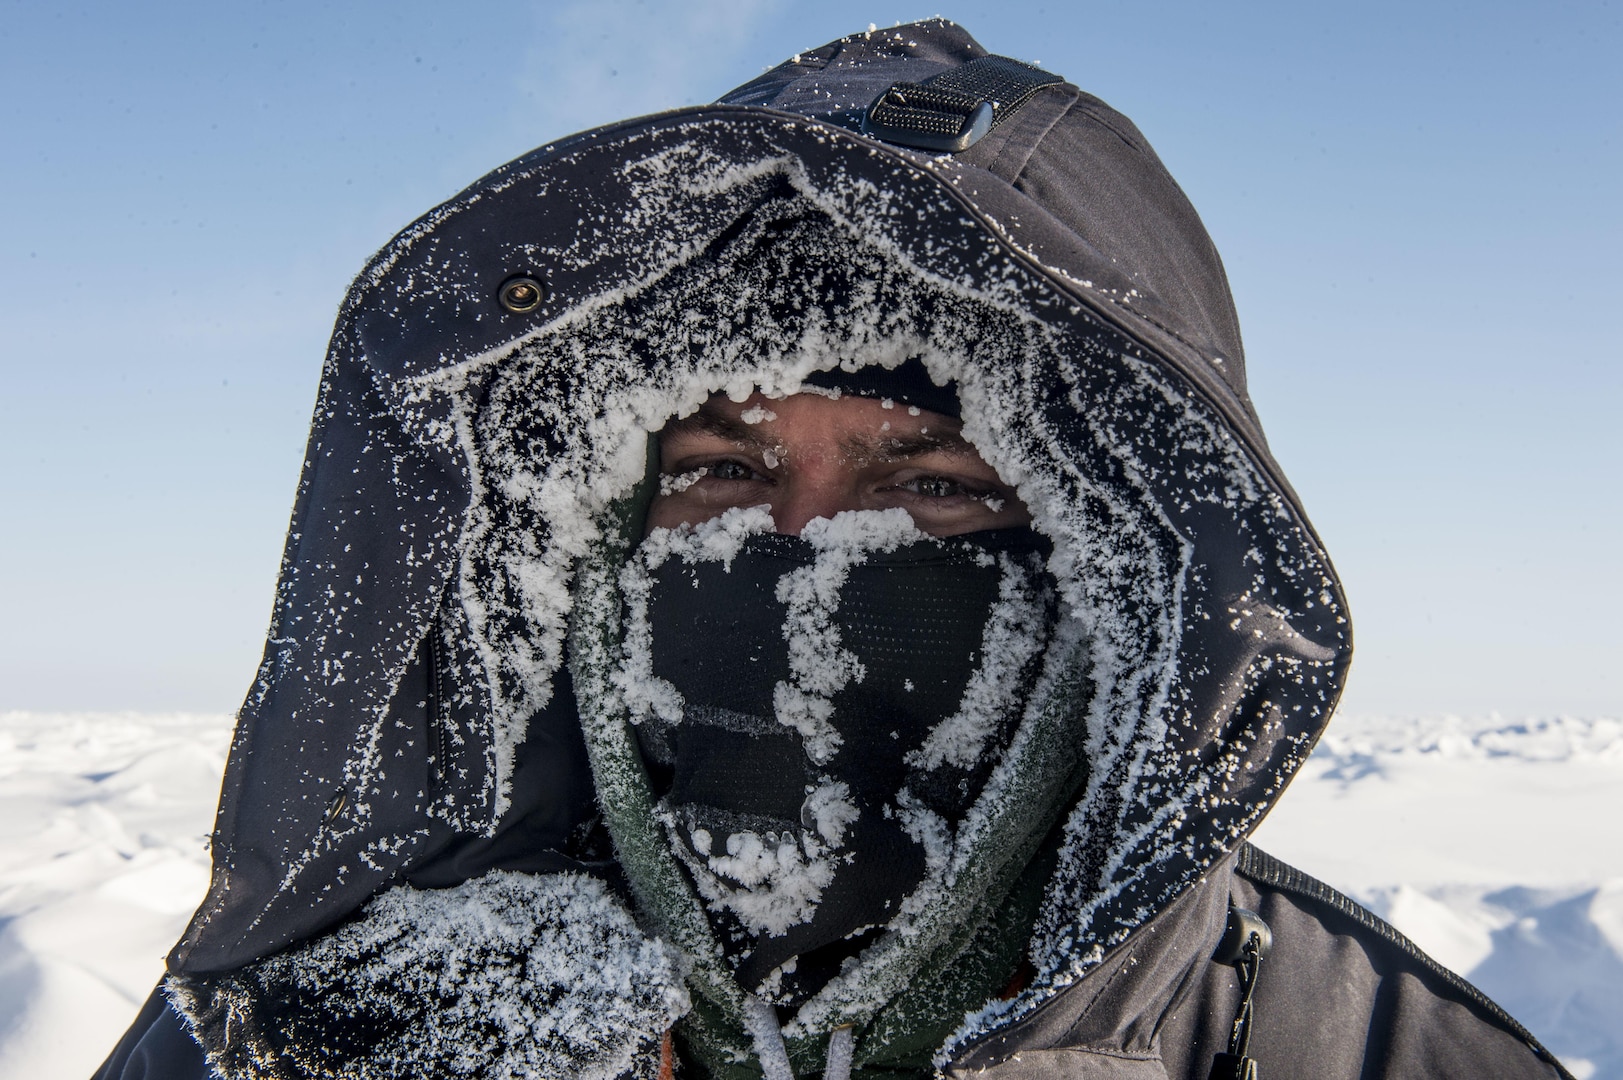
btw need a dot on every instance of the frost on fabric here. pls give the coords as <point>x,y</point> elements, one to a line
<point>717,540</point>
<point>819,665</point>
<point>506,975</point>
<point>1012,640</point>
<point>831,812</point>
<point>554,427</point>
<point>1124,470</point>
<point>768,881</point>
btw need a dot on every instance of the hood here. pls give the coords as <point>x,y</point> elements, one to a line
<point>414,712</point>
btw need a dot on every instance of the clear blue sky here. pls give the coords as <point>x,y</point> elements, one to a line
<point>1418,205</point>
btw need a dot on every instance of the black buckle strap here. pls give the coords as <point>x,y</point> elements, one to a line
<point>954,110</point>
<point>1246,940</point>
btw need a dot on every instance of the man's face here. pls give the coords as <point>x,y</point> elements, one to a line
<point>809,456</point>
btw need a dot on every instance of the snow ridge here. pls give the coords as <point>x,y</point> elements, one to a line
<point>105,860</point>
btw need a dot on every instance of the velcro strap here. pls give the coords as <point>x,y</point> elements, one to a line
<point>954,110</point>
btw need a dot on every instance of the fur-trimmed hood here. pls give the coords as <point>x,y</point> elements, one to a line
<point>464,457</point>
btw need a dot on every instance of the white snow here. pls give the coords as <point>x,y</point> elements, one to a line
<point>1496,845</point>
<point>102,860</point>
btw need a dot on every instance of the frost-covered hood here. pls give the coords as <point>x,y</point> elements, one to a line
<point>463,458</point>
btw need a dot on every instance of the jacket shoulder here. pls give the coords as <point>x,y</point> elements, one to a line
<point>157,1046</point>
<point>1343,992</point>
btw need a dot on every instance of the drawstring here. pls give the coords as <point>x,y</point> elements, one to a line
<point>1245,942</point>
<point>667,1057</point>
<point>840,1044</point>
<point>761,1020</point>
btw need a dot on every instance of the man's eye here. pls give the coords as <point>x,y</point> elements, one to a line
<point>936,487</point>
<point>732,470</point>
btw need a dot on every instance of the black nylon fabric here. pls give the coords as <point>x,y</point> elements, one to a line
<point>908,383</point>
<point>1334,1001</point>
<point>1079,190</point>
<point>385,740</point>
<point>157,1046</point>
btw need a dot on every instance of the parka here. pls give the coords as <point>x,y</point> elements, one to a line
<point>434,854</point>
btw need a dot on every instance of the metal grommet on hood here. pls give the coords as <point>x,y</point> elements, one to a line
<point>521,294</point>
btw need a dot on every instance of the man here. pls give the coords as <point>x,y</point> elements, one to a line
<point>900,706</point>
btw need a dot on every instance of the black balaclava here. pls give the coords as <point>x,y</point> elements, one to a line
<point>820,712</point>
<point>908,382</point>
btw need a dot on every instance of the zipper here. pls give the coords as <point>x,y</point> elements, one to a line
<point>438,712</point>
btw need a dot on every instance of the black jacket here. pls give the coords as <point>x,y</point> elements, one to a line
<point>413,723</point>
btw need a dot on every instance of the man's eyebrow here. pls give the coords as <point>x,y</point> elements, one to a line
<point>884,446</point>
<point>707,422</point>
<point>900,447</point>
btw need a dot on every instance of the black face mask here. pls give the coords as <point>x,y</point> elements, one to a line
<point>820,717</point>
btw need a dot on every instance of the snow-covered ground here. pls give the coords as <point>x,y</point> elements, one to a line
<point>1496,845</point>
<point>102,858</point>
